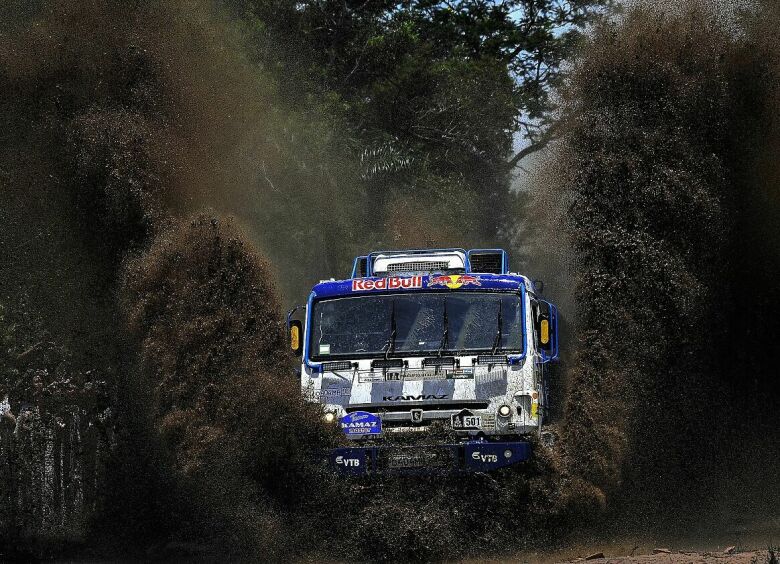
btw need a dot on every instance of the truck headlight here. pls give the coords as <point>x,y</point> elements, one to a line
<point>504,411</point>
<point>329,417</point>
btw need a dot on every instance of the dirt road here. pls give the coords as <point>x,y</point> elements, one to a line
<point>630,555</point>
<point>662,557</point>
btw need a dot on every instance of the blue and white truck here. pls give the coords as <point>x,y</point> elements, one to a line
<point>443,341</point>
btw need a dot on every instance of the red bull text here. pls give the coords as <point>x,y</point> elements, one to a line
<point>393,283</point>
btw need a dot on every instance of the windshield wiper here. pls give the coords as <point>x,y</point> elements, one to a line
<point>390,344</point>
<point>445,336</point>
<point>497,340</point>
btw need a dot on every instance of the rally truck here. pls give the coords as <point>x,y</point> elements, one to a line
<point>418,340</point>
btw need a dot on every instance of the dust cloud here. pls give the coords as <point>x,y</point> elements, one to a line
<point>131,132</point>
<point>655,187</point>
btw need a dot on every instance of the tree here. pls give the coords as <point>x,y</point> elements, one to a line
<point>383,58</point>
<point>429,95</point>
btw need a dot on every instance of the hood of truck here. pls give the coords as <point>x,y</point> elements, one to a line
<point>376,390</point>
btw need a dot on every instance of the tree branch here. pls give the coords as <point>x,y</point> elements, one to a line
<point>549,135</point>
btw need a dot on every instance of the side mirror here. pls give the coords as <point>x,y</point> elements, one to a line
<point>296,337</point>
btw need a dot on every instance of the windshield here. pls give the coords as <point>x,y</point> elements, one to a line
<point>416,324</point>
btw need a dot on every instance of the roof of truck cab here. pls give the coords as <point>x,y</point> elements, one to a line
<point>420,283</point>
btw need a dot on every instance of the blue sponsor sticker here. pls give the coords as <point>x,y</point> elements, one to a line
<point>361,423</point>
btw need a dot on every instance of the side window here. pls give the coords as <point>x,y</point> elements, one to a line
<point>535,318</point>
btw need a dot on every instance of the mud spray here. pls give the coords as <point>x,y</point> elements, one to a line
<point>129,134</point>
<point>657,182</point>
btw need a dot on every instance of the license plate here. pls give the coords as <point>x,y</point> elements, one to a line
<point>397,458</point>
<point>466,421</point>
<point>472,422</point>
<point>407,460</point>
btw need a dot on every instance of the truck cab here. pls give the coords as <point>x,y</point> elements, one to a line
<point>441,340</point>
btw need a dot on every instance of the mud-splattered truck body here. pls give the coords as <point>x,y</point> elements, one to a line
<point>426,340</point>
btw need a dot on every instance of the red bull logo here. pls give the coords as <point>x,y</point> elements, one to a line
<point>453,281</point>
<point>393,283</point>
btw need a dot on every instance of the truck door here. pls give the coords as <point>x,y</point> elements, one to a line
<point>296,319</point>
<point>545,341</point>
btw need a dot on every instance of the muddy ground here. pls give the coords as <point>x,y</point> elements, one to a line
<point>675,557</point>
<point>742,542</point>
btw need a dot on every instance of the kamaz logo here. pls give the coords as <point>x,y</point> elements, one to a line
<point>415,398</point>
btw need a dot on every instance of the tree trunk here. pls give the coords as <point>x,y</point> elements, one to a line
<point>67,494</point>
<point>56,488</point>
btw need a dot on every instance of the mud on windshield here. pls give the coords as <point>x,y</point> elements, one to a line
<point>419,324</point>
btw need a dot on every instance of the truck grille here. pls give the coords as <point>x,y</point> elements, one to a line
<point>407,406</point>
<point>418,266</point>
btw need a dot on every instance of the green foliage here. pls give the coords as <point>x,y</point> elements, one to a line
<point>423,93</point>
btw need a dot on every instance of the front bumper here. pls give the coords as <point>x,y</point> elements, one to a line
<point>473,456</point>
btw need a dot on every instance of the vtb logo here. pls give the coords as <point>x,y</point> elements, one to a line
<point>353,462</point>
<point>454,281</point>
